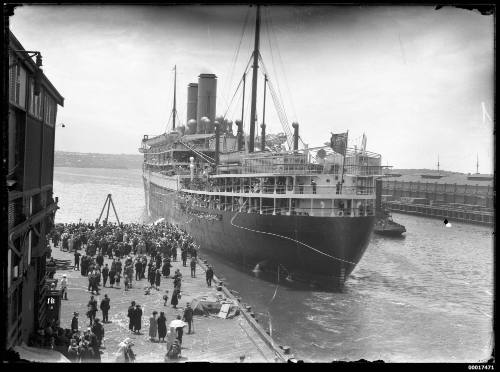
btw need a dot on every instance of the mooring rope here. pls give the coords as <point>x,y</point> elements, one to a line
<point>286,237</point>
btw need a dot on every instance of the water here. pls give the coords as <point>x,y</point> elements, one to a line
<point>425,298</point>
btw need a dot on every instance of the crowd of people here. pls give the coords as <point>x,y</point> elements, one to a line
<point>144,250</point>
<point>77,345</point>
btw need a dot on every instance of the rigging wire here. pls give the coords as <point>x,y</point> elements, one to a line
<point>283,68</point>
<point>269,26</point>
<point>235,58</point>
<point>278,105</point>
<point>237,88</point>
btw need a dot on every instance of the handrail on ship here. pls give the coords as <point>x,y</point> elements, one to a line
<point>283,190</point>
<point>285,211</point>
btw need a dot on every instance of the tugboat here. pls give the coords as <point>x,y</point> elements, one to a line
<point>385,225</point>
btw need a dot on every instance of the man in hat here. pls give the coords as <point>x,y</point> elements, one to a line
<point>92,309</point>
<point>64,287</point>
<point>209,275</point>
<point>137,318</point>
<point>138,269</point>
<point>105,274</point>
<point>188,317</point>
<point>193,267</point>
<point>77,261</point>
<point>105,308</point>
<point>74,322</point>
<point>98,331</point>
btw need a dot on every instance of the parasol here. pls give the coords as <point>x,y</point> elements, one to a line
<point>176,323</point>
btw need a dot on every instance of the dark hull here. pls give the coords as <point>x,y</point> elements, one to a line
<point>322,249</point>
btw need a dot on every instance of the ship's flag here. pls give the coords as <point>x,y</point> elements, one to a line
<point>338,142</point>
<point>363,144</point>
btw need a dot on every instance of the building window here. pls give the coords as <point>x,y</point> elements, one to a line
<point>35,101</point>
<point>40,99</point>
<point>17,82</point>
<point>50,110</point>
<point>31,103</point>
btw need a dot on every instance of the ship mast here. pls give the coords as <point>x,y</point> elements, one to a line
<point>254,82</point>
<point>174,109</point>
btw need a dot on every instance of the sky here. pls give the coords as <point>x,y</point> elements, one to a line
<point>412,78</point>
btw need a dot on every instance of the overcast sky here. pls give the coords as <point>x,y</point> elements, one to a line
<point>412,78</point>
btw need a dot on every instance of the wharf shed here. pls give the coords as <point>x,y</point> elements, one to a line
<point>441,188</point>
<point>30,132</point>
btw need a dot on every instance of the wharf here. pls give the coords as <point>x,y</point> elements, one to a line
<point>214,340</point>
<point>450,212</point>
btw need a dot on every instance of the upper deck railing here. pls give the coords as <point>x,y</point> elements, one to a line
<point>303,162</point>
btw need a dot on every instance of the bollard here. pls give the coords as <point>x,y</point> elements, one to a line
<point>252,315</point>
<point>248,308</point>
<point>286,349</point>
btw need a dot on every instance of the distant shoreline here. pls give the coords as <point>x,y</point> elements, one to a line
<point>134,161</point>
<point>94,160</point>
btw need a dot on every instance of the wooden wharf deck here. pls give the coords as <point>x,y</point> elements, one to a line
<point>214,340</point>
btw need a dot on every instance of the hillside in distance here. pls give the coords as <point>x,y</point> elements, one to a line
<point>93,160</point>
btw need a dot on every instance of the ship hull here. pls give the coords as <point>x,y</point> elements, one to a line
<point>321,249</point>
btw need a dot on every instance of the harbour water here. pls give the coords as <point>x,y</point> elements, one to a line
<point>427,297</point>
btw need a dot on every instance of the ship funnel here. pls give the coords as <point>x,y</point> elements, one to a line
<point>207,92</point>
<point>192,102</point>
<point>295,136</point>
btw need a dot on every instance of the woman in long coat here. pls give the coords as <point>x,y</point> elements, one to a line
<point>166,267</point>
<point>174,301</point>
<point>138,318</point>
<point>153,327</point>
<point>158,279</point>
<point>162,327</point>
<point>112,275</point>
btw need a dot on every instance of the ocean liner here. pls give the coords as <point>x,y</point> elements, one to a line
<point>262,199</point>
